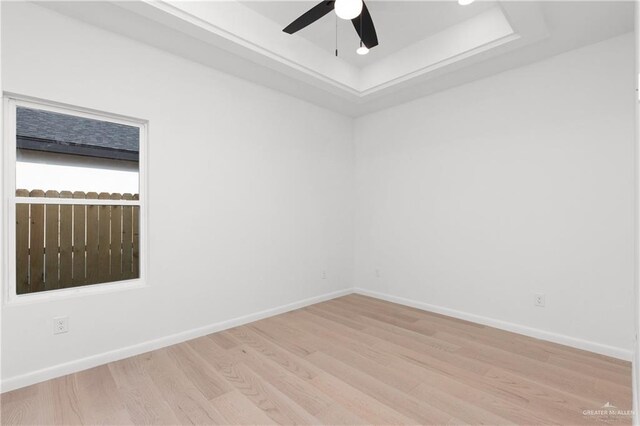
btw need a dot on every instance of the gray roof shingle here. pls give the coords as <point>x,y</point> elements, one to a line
<point>76,131</point>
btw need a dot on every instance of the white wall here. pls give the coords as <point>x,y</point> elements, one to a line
<point>250,192</point>
<point>474,199</point>
<point>636,296</point>
<point>470,200</point>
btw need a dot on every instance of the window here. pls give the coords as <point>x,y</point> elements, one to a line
<point>76,205</point>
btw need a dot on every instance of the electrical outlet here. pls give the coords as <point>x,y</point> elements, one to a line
<point>539,300</point>
<point>377,273</point>
<point>60,325</point>
<point>324,275</point>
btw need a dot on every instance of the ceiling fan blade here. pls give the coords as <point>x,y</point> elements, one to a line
<point>309,17</point>
<point>365,29</point>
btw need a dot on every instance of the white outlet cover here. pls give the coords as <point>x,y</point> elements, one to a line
<point>60,325</point>
<point>539,300</point>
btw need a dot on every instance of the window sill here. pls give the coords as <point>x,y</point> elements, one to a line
<point>73,292</point>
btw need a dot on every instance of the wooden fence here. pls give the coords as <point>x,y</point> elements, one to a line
<point>69,245</point>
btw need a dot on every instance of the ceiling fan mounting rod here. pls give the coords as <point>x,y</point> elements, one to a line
<point>360,23</point>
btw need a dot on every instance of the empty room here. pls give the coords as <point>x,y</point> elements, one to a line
<point>322,213</point>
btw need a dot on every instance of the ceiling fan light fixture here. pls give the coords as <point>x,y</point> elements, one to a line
<point>465,2</point>
<point>362,50</point>
<point>348,9</point>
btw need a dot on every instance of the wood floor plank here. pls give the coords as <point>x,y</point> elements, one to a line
<point>431,351</point>
<point>223,341</point>
<point>201,374</point>
<point>360,403</point>
<point>371,323</point>
<point>420,411</point>
<point>389,346</point>
<point>617,375</point>
<point>213,354</point>
<point>383,315</point>
<point>338,335</point>
<point>459,335</point>
<point>27,406</point>
<point>565,407</point>
<point>559,377</point>
<point>65,401</point>
<point>354,360</point>
<point>550,372</point>
<point>463,338</point>
<point>336,414</point>
<point>280,356</point>
<point>514,413</point>
<point>357,360</point>
<point>285,337</point>
<point>299,390</point>
<point>442,380</point>
<point>333,317</point>
<point>238,410</point>
<point>262,394</point>
<point>188,404</point>
<point>99,400</point>
<point>144,402</point>
<point>275,404</point>
<point>475,358</point>
<point>504,401</point>
<point>390,309</point>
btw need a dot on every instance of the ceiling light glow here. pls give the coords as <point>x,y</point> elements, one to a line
<point>465,2</point>
<point>349,9</point>
<point>362,50</point>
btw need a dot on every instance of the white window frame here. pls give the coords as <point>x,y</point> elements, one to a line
<point>10,104</point>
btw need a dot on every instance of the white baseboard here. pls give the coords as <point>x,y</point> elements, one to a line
<point>59,370</point>
<point>634,382</point>
<point>562,339</point>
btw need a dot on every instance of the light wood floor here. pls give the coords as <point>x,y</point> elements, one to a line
<point>352,360</point>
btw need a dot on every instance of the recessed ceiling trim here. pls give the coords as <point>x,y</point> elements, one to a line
<point>473,36</point>
<point>526,26</point>
<point>217,23</point>
<point>238,29</point>
<point>297,66</point>
<point>441,64</point>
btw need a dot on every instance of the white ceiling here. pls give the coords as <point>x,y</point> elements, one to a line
<point>425,46</point>
<point>398,24</point>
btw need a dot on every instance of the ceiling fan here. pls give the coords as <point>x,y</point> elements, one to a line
<point>354,10</point>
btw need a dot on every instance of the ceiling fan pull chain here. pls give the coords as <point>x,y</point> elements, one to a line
<point>336,36</point>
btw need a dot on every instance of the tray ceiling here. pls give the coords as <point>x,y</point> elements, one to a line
<point>426,46</point>
<point>398,24</point>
